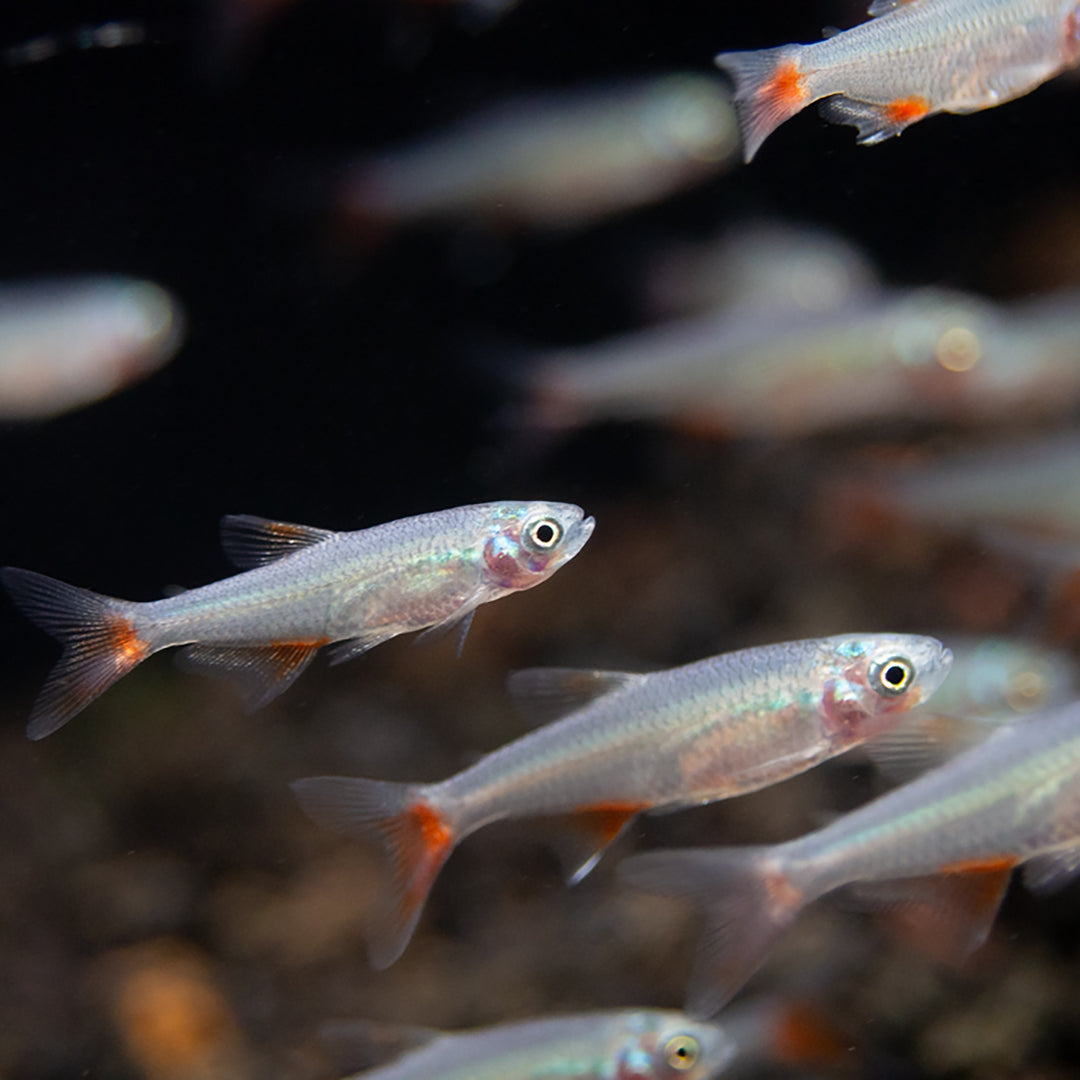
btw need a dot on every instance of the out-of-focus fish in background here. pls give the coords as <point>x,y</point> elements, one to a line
<point>912,59</point>
<point>683,737</point>
<point>115,34</point>
<point>762,267</point>
<point>65,343</point>
<point>1012,799</point>
<point>646,1044</point>
<point>308,588</point>
<point>923,355</point>
<point>561,160</point>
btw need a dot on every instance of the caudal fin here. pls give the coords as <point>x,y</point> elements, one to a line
<point>770,87</point>
<point>100,644</point>
<point>748,902</point>
<point>412,832</point>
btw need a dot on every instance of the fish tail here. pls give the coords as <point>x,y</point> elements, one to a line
<point>770,87</point>
<point>748,899</point>
<point>100,643</point>
<point>415,835</point>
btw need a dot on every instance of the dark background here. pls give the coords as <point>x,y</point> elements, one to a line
<point>337,385</point>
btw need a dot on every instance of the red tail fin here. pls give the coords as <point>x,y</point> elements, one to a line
<point>770,87</point>
<point>748,901</point>
<point>100,644</point>
<point>413,833</point>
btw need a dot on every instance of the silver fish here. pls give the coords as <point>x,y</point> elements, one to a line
<point>308,588</point>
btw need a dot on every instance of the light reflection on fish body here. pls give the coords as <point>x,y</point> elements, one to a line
<point>65,343</point>
<point>559,161</point>
<point>913,59</point>
<point>926,355</point>
<point>307,588</point>
<point>651,1044</point>
<point>710,730</point>
<point>1014,798</point>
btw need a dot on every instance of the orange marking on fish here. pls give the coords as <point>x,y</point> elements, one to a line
<point>781,892</point>
<point>994,865</point>
<point>606,819</point>
<point>904,111</point>
<point>126,645</point>
<point>1072,36</point>
<point>787,86</point>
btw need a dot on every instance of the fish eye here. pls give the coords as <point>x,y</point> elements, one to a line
<point>543,534</point>
<point>681,1052</point>
<point>892,677</point>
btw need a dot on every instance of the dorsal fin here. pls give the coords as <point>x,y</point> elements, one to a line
<point>545,694</point>
<point>251,541</point>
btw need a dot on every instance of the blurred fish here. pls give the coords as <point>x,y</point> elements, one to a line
<point>308,588</point>
<point>627,1045</point>
<point>554,161</point>
<point>690,735</point>
<point>116,34</point>
<point>923,355</point>
<point>767,267</point>
<point>67,342</point>
<point>914,58</point>
<point>1012,799</point>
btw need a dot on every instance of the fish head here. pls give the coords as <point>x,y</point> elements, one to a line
<point>871,680</point>
<point>1072,35</point>
<point>528,542</point>
<point>668,1045</point>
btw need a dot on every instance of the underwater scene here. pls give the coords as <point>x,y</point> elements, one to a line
<point>607,480</point>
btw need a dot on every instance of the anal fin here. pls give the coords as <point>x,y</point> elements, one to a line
<point>261,672</point>
<point>588,833</point>
<point>1052,870</point>
<point>875,122</point>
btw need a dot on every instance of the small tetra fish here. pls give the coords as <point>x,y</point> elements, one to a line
<point>1014,798</point>
<point>556,161</point>
<point>690,735</point>
<point>65,343</point>
<point>652,1044</point>
<point>914,58</point>
<point>308,588</point>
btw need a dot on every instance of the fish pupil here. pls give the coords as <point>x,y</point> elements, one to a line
<point>545,534</point>
<point>895,675</point>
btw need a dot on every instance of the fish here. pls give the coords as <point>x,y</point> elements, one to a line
<point>627,743</point>
<point>1013,799</point>
<point>68,342</point>
<point>628,1044</point>
<point>912,59</point>
<point>302,588</point>
<point>917,355</point>
<point>555,161</point>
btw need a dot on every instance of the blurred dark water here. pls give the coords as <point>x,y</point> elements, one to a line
<point>340,386</point>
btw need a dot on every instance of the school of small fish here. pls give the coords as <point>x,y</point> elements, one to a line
<point>772,334</point>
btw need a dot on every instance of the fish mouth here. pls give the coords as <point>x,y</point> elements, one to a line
<point>578,535</point>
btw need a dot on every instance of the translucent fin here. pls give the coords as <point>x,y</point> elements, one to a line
<point>413,834</point>
<point>747,900</point>
<point>770,88</point>
<point>589,832</point>
<point>456,624</point>
<point>349,650</point>
<point>254,541</point>
<point>804,1037</point>
<point>950,914</point>
<point>875,123</point>
<point>100,644</point>
<point>545,694</point>
<point>261,673</point>
<point>362,1044</point>
<point>923,741</point>
<point>1052,870</point>
<point>883,7</point>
